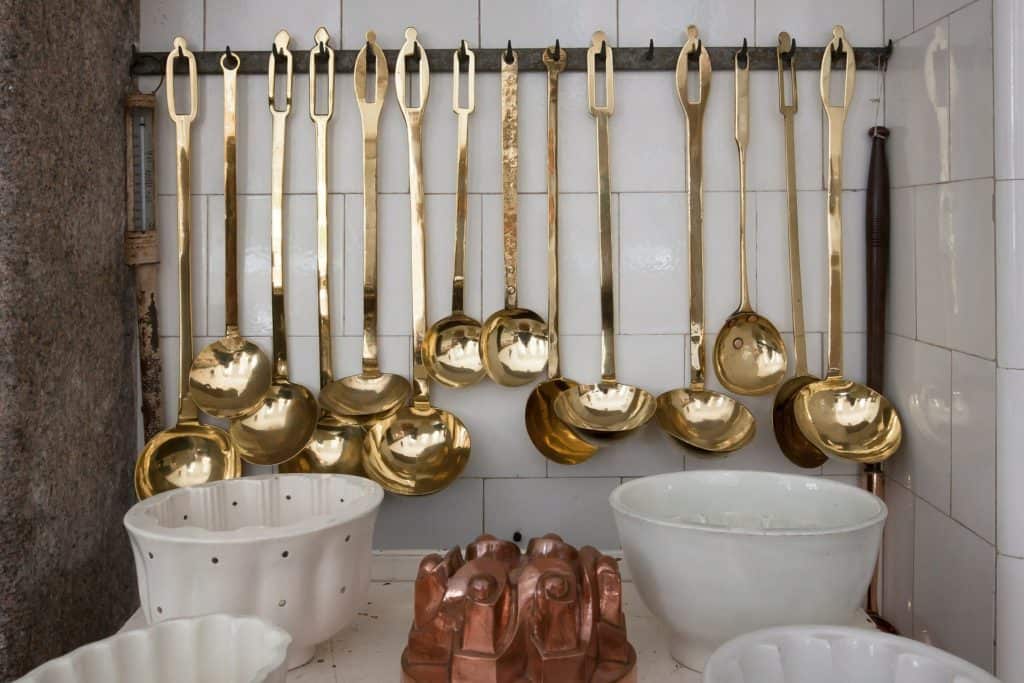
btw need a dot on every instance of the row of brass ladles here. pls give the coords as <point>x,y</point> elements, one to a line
<point>384,426</point>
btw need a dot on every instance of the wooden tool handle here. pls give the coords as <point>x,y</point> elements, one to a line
<point>877,255</point>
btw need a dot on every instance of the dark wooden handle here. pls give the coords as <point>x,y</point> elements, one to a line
<point>877,255</point>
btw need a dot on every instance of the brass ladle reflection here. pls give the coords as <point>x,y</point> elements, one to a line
<point>839,416</point>
<point>420,449</point>
<point>514,340</point>
<point>549,434</point>
<point>607,410</point>
<point>706,421</point>
<point>452,351</point>
<point>229,377</point>
<point>188,453</point>
<point>750,356</point>
<point>371,395</point>
<point>284,422</point>
<point>336,447</point>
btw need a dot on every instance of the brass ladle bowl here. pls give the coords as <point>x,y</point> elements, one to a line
<point>706,421</point>
<point>606,411</point>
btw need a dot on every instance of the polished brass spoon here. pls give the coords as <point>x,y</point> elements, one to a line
<point>549,434</point>
<point>792,442</point>
<point>284,422</point>
<point>750,356</point>
<point>371,395</point>
<point>420,449</point>
<point>452,352</point>
<point>608,410</point>
<point>839,416</point>
<point>336,447</point>
<point>229,377</point>
<point>188,453</point>
<point>708,422</point>
<point>514,340</point>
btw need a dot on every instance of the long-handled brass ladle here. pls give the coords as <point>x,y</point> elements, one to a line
<point>839,416</point>
<point>452,352</point>
<point>750,356</point>
<point>229,377</point>
<point>514,340</point>
<point>550,435</point>
<point>284,422</point>
<point>336,447</point>
<point>792,442</point>
<point>188,453</point>
<point>420,449</point>
<point>371,395</point>
<point>607,410</point>
<point>706,421</point>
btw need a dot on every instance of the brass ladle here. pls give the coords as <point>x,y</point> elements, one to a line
<point>550,435</point>
<point>608,410</point>
<point>284,422</point>
<point>420,449</point>
<point>229,377</point>
<point>371,395</point>
<point>750,356</point>
<point>188,453</point>
<point>336,447</point>
<point>839,416</point>
<point>792,442</point>
<point>514,340</point>
<point>452,352</point>
<point>708,422</point>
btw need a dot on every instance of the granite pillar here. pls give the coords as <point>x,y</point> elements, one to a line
<point>67,417</point>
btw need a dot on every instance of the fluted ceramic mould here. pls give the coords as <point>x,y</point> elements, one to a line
<point>812,654</point>
<point>715,554</point>
<point>217,648</point>
<point>292,548</point>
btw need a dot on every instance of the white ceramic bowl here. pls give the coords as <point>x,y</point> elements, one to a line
<point>294,549</point>
<point>716,554</point>
<point>217,648</point>
<point>812,654</point>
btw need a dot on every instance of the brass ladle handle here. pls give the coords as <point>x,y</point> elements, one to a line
<point>836,120</point>
<point>784,52</point>
<point>602,113</point>
<point>555,63</point>
<point>187,410</point>
<point>230,193</point>
<point>694,111</point>
<point>369,116</point>
<point>741,77</point>
<point>320,121</point>
<point>462,169</point>
<point>510,174</point>
<point>280,119</point>
<point>413,121</point>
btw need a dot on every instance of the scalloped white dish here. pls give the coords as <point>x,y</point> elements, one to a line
<point>216,648</point>
<point>294,549</point>
<point>811,654</point>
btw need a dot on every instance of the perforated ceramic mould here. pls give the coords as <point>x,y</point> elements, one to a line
<point>294,549</point>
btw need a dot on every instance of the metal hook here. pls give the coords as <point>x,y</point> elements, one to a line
<point>556,52</point>
<point>462,50</point>
<point>602,53</point>
<point>743,56</point>
<point>509,57</point>
<point>181,54</point>
<point>883,60</point>
<point>323,48</point>
<point>650,51</point>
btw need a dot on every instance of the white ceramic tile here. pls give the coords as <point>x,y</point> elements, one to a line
<point>440,24</point>
<point>898,559</point>
<point>441,255</point>
<point>253,267</point>
<point>536,23</point>
<point>167,288</point>
<point>927,11</point>
<point>1008,80</point>
<point>1010,618</point>
<point>1010,272</point>
<point>955,279</point>
<point>304,362</point>
<point>1009,464</point>
<point>955,607</point>
<point>970,85</point>
<point>918,384</point>
<point>901,308</point>
<point>917,107</point>
<point>899,18</point>
<point>207,138</point>
<point>169,350</point>
<point>653,271</point>
<point>811,21</point>
<point>161,20</point>
<point>450,517</point>
<point>721,168</point>
<point>720,23</point>
<point>974,444</point>
<point>766,155</point>
<point>264,18</point>
<point>577,509</point>
<point>647,134</point>
<point>577,141</point>
<point>722,258</point>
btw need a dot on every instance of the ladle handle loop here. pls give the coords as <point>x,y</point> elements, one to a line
<point>279,135</point>
<point>554,66</point>
<point>510,175</point>
<point>230,195</point>
<point>320,122</point>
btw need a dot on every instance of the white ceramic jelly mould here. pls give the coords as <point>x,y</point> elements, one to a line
<point>294,549</point>
<point>216,648</point>
<point>719,553</point>
<point>812,654</point>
